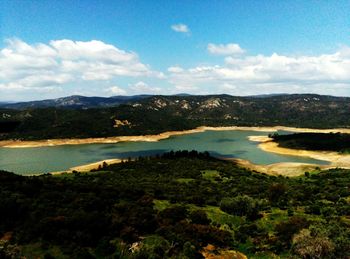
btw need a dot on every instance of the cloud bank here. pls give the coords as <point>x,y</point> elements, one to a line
<point>256,74</point>
<point>60,66</point>
<point>26,67</point>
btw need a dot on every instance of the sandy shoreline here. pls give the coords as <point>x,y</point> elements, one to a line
<point>294,169</point>
<point>290,169</point>
<point>89,167</point>
<point>284,168</point>
<point>266,144</point>
<point>334,158</point>
<point>152,138</point>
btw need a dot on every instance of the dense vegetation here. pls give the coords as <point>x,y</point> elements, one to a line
<point>175,206</point>
<point>339,142</point>
<point>164,113</point>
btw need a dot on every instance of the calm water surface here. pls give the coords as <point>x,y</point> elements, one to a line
<point>218,143</point>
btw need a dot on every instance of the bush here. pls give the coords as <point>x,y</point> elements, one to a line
<point>285,230</point>
<point>199,217</point>
<point>174,214</point>
<point>328,211</point>
<point>154,247</point>
<point>277,193</point>
<point>241,206</point>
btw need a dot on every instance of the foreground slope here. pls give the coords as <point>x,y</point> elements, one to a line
<point>180,205</point>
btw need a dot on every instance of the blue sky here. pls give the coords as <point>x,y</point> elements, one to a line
<point>57,48</point>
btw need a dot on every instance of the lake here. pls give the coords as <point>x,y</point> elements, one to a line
<point>229,144</point>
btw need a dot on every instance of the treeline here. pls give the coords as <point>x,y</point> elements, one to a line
<point>339,142</point>
<point>173,206</point>
<point>157,114</point>
<point>8,126</point>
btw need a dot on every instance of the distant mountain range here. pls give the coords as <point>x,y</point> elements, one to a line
<point>267,95</point>
<point>80,117</point>
<point>75,102</point>
<point>84,102</point>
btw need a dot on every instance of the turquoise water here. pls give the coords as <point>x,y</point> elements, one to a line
<point>218,143</point>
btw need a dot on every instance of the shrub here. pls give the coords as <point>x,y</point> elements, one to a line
<point>199,217</point>
<point>241,206</point>
<point>307,245</point>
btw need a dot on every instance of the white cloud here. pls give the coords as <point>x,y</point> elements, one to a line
<point>183,28</point>
<point>175,69</point>
<point>92,50</point>
<point>115,90</point>
<point>143,88</point>
<point>32,66</point>
<point>265,74</point>
<point>222,49</point>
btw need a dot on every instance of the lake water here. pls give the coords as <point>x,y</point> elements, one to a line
<point>232,144</point>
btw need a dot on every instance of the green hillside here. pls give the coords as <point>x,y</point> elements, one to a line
<point>173,207</point>
<point>339,142</point>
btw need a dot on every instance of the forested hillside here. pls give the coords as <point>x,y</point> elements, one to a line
<point>163,113</point>
<point>180,205</point>
<point>339,142</point>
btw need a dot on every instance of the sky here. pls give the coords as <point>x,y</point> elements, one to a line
<point>51,49</point>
